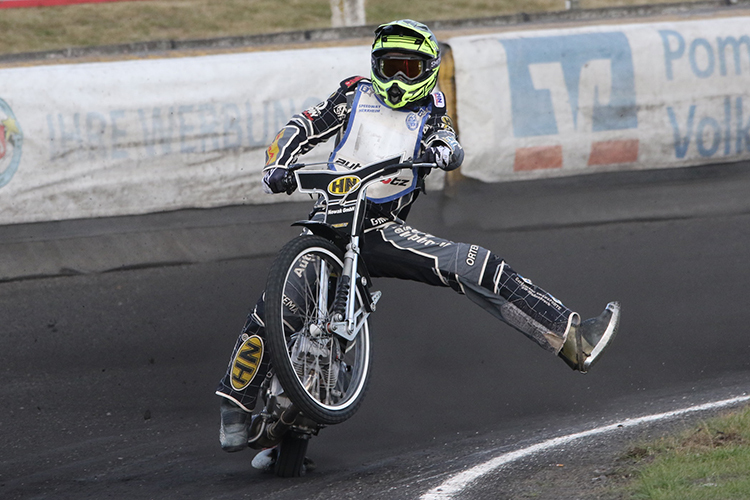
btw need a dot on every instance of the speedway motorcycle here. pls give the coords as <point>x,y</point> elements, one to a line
<point>317,304</point>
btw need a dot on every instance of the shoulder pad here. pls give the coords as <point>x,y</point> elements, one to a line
<point>352,82</point>
<point>438,102</point>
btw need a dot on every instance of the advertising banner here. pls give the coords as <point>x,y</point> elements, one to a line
<point>545,103</point>
<point>129,137</point>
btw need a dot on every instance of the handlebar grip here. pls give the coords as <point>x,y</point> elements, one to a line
<point>289,182</point>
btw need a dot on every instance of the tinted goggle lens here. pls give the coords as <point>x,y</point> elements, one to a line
<point>391,66</point>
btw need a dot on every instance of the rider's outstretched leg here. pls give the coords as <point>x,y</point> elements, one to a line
<point>397,250</point>
<point>544,318</point>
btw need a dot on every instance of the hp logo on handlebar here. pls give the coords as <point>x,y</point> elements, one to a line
<point>344,185</point>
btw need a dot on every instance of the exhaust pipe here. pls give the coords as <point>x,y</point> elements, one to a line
<point>284,423</point>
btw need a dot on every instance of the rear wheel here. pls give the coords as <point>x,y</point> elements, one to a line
<point>290,461</point>
<point>324,375</point>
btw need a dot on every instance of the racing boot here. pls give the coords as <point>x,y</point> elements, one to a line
<point>587,340</point>
<point>266,459</point>
<point>234,425</point>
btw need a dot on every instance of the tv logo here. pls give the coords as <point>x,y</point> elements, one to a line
<point>561,85</point>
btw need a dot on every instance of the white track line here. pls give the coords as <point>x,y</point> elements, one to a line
<point>457,483</point>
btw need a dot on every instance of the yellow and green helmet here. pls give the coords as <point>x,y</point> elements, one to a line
<point>405,62</point>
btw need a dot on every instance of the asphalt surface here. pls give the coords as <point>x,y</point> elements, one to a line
<point>113,334</point>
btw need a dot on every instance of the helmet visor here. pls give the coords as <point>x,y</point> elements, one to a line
<point>409,67</point>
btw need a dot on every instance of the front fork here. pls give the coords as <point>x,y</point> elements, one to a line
<point>351,261</point>
<point>347,321</point>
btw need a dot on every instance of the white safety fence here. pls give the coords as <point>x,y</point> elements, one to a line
<point>130,137</point>
<point>112,138</point>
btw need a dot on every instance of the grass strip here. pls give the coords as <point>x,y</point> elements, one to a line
<point>708,462</point>
<point>88,25</point>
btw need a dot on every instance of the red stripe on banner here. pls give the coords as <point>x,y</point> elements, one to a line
<point>611,152</point>
<point>12,4</point>
<point>538,158</point>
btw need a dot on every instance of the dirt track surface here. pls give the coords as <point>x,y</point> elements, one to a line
<point>108,378</point>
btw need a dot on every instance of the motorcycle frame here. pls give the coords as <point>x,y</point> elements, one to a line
<point>312,182</point>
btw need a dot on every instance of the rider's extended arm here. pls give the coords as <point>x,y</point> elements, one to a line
<point>306,130</point>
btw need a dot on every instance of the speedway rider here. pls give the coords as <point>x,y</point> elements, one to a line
<point>396,112</point>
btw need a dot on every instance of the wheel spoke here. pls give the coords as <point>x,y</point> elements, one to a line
<point>327,371</point>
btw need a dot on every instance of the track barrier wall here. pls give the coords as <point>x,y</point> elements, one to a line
<point>141,136</point>
<point>606,97</point>
<point>131,137</point>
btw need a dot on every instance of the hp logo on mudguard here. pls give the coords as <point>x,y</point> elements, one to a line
<point>344,185</point>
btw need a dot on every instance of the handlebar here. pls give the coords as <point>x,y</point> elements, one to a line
<point>290,182</point>
<point>405,164</point>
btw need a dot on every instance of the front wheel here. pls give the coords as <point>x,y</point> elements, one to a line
<point>324,375</point>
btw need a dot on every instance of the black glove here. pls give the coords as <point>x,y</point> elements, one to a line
<point>439,155</point>
<point>279,180</point>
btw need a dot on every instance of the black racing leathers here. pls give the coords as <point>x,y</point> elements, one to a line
<point>393,249</point>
